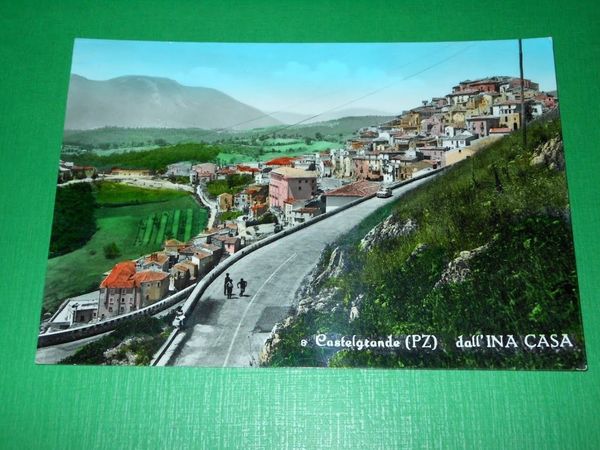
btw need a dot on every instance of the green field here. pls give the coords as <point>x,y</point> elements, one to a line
<point>136,230</point>
<point>276,149</point>
<point>117,194</point>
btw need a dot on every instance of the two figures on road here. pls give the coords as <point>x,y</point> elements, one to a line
<point>228,286</point>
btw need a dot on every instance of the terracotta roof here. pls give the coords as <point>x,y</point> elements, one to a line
<point>189,250</point>
<point>123,276</point>
<point>149,275</point>
<point>500,130</point>
<point>190,265</point>
<point>160,258</point>
<point>253,189</point>
<point>202,255</point>
<point>173,243</point>
<point>290,172</point>
<point>357,189</point>
<point>226,171</point>
<point>247,169</point>
<point>258,206</point>
<point>120,276</point>
<point>231,240</point>
<point>181,266</point>
<point>283,161</point>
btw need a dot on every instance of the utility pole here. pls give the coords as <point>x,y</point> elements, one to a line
<point>523,115</point>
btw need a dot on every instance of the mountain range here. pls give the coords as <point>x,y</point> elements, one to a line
<point>137,101</point>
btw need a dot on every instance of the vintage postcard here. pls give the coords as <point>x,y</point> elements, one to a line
<point>391,205</point>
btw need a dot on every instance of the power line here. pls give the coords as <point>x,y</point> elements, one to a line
<point>379,89</point>
<point>285,127</point>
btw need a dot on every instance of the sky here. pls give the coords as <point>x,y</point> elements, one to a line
<point>316,78</point>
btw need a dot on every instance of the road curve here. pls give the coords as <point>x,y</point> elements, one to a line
<point>231,333</point>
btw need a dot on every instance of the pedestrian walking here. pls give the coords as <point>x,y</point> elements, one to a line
<point>242,286</point>
<point>229,288</point>
<point>227,280</point>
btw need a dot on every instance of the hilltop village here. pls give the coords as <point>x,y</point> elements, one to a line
<point>268,196</point>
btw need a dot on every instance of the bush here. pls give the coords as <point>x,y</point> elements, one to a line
<point>111,251</point>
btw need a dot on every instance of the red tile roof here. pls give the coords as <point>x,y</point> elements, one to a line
<point>149,275</point>
<point>247,169</point>
<point>120,277</point>
<point>226,171</point>
<point>160,258</point>
<point>283,161</point>
<point>182,267</point>
<point>258,206</point>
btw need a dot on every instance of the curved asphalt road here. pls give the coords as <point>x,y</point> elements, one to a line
<point>231,333</point>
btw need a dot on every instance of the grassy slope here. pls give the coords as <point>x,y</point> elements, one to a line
<point>81,270</point>
<point>267,152</point>
<point>524,283</point>
<point>117,194</point>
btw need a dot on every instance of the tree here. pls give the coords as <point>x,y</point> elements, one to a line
<point>111,251</point>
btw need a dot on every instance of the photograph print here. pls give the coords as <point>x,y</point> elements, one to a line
<point>332,205</point>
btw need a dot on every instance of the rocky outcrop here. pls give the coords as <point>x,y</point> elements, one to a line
<point>390,228</point>
<point>122,355</point>
<point>313,295</point>
<point>459,269</point>
<point>551,154</point>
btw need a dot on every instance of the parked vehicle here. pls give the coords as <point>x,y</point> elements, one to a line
<point>384,192</point>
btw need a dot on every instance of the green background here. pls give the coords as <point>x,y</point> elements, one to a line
<point>104,407</point>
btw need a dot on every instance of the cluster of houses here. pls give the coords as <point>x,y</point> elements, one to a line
<point>437,133</point>
<point>69,171</point>
<point>134,284</point>
<point>440,131</point>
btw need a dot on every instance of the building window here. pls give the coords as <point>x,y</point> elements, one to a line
<point>110,309</point>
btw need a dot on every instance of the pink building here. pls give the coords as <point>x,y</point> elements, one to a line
<point>203,172</point>
<point>290,183</point>
<point>481,125</point>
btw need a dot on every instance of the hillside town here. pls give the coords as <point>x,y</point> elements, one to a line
<point>288,191</point>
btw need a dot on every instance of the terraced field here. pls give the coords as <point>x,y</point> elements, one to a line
<point>136,229</point>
